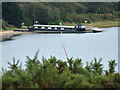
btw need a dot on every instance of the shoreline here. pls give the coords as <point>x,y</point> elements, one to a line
<point>7,35</point>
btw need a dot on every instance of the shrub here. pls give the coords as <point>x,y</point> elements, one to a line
<point>54,73</point>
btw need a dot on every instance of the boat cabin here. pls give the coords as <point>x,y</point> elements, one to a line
<point>80,27</point>
<point>53,27</point>
<point>56,28</point>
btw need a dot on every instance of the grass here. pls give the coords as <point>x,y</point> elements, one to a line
<point>69,24</point>
<point>100,24</point>
<point>12,28</point>
<point>9,29</point>
<point>105,24</point>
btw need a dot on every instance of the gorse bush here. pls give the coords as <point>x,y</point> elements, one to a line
<point>54,73</point>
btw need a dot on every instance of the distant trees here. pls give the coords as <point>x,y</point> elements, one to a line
<point>56,12</point>
<point>101,7</point>
<point>43,15</point>
<point>35,11</point>
<point>12,13</point>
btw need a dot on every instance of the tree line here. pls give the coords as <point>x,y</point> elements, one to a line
<point>54,12</point>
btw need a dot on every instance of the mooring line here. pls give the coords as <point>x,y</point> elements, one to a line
<point>62,45</point>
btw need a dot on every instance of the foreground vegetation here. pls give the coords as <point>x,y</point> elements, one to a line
<point>53,73</point>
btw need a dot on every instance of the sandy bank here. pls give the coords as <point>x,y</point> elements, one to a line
<point>8,34</point>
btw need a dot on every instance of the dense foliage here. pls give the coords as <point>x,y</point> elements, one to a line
<point>53,73</point>
<point>55,12</point>
<point>12,13</point>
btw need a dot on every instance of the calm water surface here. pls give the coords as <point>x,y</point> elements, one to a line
<point>85,46</point>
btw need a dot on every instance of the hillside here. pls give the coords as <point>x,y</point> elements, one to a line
<point>53,13</point>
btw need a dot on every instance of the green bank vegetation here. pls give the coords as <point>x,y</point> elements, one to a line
<point>105,24</point>
<point>54,73</point>
<point>100,24</point>
<point>72,13</point>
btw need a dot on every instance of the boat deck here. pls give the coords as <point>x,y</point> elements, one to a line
<point>37,31</point>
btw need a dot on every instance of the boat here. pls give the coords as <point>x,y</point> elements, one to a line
<point>96,30</point>
<point>58,29</point>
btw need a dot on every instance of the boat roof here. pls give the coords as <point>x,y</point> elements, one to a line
<point>53,26</point>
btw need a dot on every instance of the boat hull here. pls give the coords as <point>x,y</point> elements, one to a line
<point>95,31</point>
<point>54,31</point>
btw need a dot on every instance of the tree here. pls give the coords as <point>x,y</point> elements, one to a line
<point>97,66</point>
<point>112,65</point>
<point>12,13</point>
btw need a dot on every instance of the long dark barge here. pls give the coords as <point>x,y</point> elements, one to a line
<point>58,29</point>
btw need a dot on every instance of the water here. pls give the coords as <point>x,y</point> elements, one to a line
<point>85,46</point>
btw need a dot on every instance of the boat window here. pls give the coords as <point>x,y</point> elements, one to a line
<point>76,26</point>
<point>42,27</point>
<point>55,28</point>
<point>35,27</point>
<point>49,27</point>
<point>82,26</point>
<point>62,28</point>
